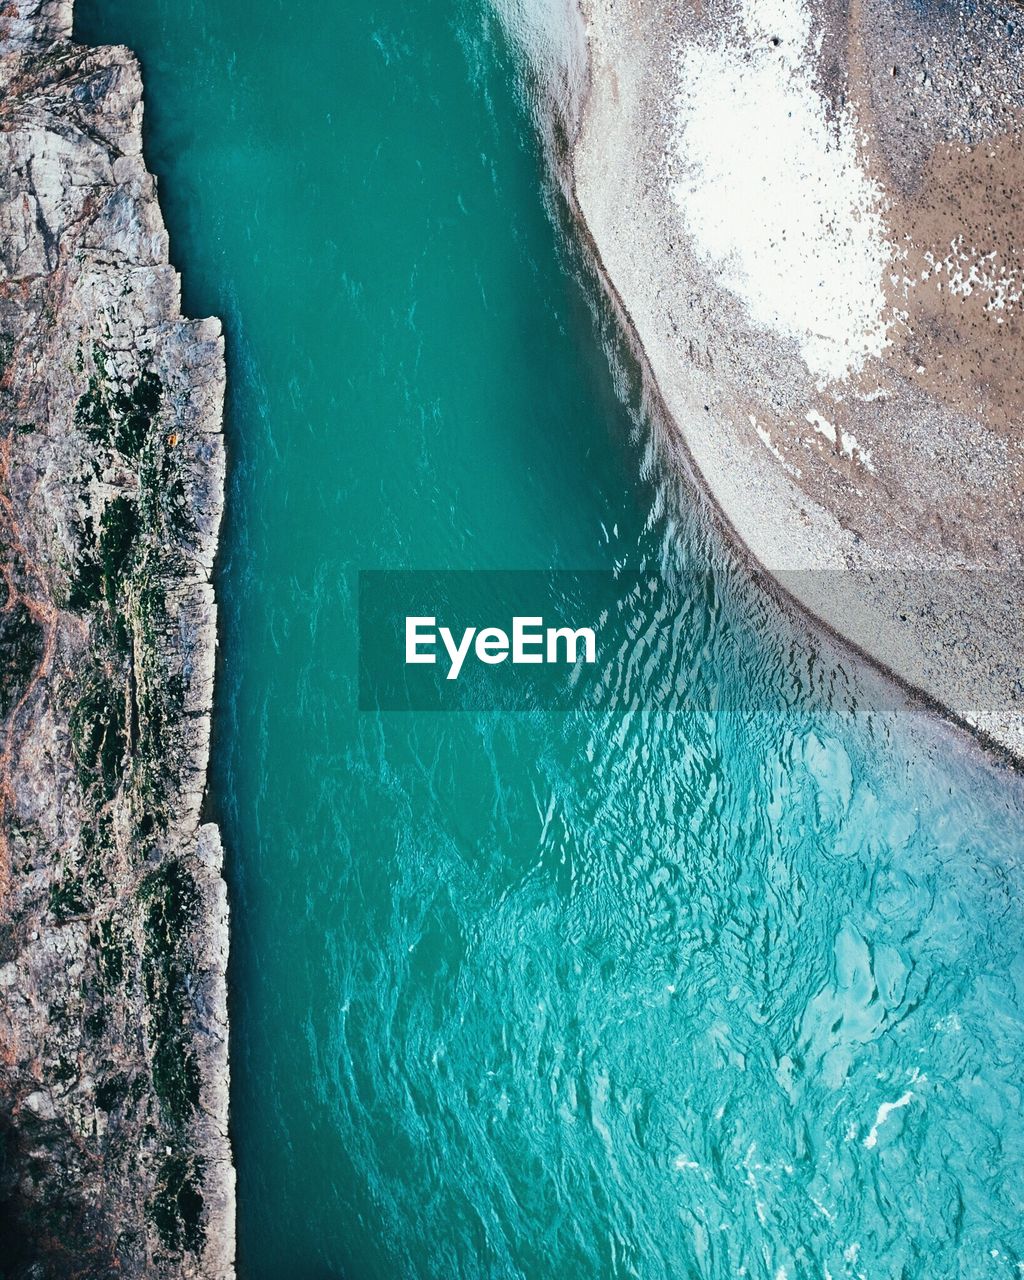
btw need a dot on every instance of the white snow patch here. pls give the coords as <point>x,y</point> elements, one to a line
<point>764,435</point>
<point>845,440</point>
<point>883,1113</point>
<point>770,185</point>
<point>969,270</point>
<point>821,425</point>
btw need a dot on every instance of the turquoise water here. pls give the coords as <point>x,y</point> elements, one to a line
<point>620,992</point>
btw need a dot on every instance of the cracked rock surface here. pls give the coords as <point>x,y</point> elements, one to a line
<point>115,1158</point>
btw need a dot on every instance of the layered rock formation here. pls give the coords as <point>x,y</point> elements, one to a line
<point>811,217</point>
<point>113,916</point>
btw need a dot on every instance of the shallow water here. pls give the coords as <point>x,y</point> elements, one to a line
<point>641,989</point>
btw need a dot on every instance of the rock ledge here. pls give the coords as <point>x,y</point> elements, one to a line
<point>113,910</point>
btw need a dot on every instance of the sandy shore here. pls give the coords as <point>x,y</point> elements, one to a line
<point>811,223</point>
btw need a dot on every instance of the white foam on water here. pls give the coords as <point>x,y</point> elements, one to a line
<point>550,35</point>
<point>883,1113</point>
<point>771,187</point>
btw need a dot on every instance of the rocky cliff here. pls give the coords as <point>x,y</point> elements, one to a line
<point>113,917</point>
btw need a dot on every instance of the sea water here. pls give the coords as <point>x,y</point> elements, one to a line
<point>648,986</point>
